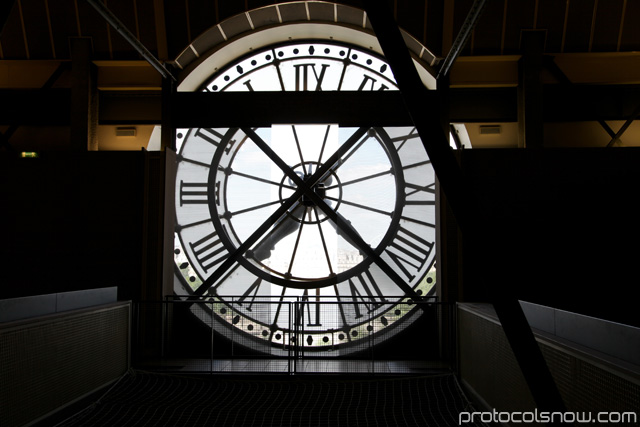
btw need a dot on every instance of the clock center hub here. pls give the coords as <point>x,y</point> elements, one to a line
<point>318,189</point>
<point>328,189</point>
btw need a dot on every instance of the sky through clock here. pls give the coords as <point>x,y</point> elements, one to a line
<point>308,213</point>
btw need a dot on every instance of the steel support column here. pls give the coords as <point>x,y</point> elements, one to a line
<point>463,36</point>
<point>518,332</point>
<point>130,38</point>
<point>530,100</point>
<point>168,131</point>
<point>84,117</point>
<point>414,94</point>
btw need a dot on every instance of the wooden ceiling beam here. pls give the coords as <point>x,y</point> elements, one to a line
<point>161,30</point>
<point>48,14</point>
<point>5,11</point>
<point>466,105</point>
<point>83,113</point>
<point>447,25</point>
<point>467,72</point>
<point>605,68</point>
<point>530,94</point>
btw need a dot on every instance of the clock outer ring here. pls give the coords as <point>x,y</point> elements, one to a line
<point>204,85</point>
<point>332,279</point>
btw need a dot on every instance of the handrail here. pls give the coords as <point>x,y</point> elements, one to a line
<point>296,338</point>
<point>193,298</point>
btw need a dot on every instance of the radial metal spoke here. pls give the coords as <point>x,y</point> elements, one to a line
<point>295,246</point>
<point>195,162</point>
<point>180,227</point>
<point>266,181</point>
<point>417,221</point>
<point>324,244</point>
<point>357,205</point>
<point>354,181</point>
<point>253,208</point>
<point>415,165</point>
<point>295,136</point>
<point>324,144</point>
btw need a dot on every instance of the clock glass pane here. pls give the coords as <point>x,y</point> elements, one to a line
<point>340,221</point>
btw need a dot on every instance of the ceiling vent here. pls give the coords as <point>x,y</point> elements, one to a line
<point>126,132</point>
<point>490,129</point>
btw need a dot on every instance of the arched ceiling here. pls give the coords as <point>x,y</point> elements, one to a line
<point>590,42</point>
<point>39,29</point>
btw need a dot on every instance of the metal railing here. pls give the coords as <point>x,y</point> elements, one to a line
<point>294,335</point>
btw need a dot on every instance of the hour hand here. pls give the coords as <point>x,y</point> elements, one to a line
<point>346,235</point>
<point>285,226</point>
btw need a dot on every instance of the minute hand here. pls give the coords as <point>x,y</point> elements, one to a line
<point>346,227</point>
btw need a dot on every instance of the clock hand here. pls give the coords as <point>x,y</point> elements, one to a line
<point>245,246</point>
<point>285,226</point>
<point>346,236</point>
<point>342,223</point>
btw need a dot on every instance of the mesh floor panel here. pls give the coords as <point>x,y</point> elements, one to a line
<point>155,399</point>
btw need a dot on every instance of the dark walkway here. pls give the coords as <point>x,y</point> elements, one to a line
<point>155,399</point>
<point>292,366</point>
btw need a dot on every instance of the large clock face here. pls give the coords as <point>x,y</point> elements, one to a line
<point>339,220</point>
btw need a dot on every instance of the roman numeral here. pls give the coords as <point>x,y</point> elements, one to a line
<point>193,193</point>
<point>251,292</point>
<point>210,135</point>
<point>208,251</point>
<point>310,307</point>
<point>409,251</point>
<point>343,317</point>
<point>368,83</point>
<point>303,76</point>
<point>371,296</point>
<point>420,194</point>
<point>248,85</point>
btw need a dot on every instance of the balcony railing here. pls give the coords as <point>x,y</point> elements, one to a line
<point>296,335</point>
